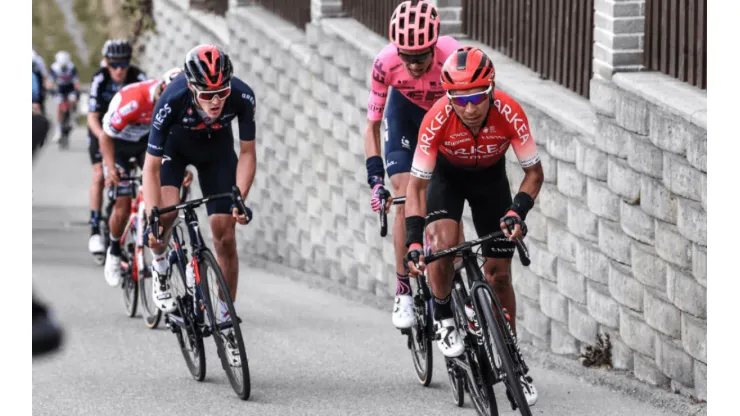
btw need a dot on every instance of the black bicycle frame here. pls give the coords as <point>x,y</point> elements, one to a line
<point>196,243</point>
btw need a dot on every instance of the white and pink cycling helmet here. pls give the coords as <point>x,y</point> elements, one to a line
<point>414,27</point>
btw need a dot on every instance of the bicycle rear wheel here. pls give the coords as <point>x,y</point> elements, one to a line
<point>215,290</point>
<point>188,335</point>
<point>492,332</point>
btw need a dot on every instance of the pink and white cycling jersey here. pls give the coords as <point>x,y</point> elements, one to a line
<point>389,71</point>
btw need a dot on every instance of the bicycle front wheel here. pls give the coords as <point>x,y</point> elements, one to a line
<point>228,335</point>
<point>493,337</point>
<point>128,285</point>
<point>188,335</point>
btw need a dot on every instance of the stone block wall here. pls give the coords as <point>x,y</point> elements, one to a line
<point>618,234</point>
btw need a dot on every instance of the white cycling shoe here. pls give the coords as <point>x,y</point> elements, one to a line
<point>162,292</point>
<point>95,244</point>
<point>449,341</point>
<point>403,312</point>
<point>112,269</point>
<point>530,392</point>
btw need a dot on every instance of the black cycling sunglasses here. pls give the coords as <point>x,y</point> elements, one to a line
<point>415,59</point>
<point>118,64</point>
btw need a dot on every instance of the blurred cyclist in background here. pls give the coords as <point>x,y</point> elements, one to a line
<point>64,74</point>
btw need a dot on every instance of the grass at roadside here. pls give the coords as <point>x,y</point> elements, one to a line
<point>95,30</point>
<point>48,34</point>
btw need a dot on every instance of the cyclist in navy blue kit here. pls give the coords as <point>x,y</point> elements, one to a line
<point>191,125</point>
<point>106,82</point>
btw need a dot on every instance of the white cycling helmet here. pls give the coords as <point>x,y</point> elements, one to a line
<point>63,58</point>
<point>170,75</point>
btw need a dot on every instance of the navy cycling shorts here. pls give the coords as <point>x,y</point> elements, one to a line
<point>402,121</point>
<point>214,159</point>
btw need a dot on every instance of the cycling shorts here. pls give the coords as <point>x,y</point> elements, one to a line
<point>402,120</point>
<point>487,192</point>
<point>124,152</point>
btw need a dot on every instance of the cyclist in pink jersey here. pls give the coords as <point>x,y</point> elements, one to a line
<point>411,64</point>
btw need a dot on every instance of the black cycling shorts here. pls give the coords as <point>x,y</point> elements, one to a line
<point>487,192</point>
<point>93,149</point>
<point>214,159</point>
<point>124,152</point>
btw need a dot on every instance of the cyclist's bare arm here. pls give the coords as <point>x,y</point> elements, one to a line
<point>106,150</point>
<point>416,197</point>
<point>246,167</point>
<point>372,138</point>
<point>94,124</point>
<point>533,178</point>
<point>152,184</point>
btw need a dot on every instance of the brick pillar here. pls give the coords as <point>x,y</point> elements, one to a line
<point>325,8</point>
<point>619,33</point>
<point>450,14</point>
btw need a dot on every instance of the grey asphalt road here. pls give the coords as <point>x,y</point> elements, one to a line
<point>310,352</point>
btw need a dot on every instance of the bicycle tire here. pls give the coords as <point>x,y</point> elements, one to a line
<point>193,351</point>
<point>421,341</point>
<point>480,384</point>
<point>457,383</point>
<point>105,235</point>
<point>151,314</point>
<point>208,262</point>
<point>511,380</point>
<point>129,288</point>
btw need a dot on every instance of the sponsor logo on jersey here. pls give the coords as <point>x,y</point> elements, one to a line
<point>420,173</point>
<point>450,143</point>
<point>161,115</point>
<point>514,119</point>
<point>249,98</point>
<point>405,143</point>
<point>116,119</point>
<point>129,108</point>
<point>427,136</point>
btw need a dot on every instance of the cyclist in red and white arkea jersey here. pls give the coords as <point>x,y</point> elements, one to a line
<point>460,157</point>
<point>125,136</point>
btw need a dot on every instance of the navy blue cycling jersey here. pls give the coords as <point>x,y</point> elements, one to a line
<point>176,115</point>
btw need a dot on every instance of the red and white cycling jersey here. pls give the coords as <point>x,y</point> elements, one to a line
<point>442,132</point>
<point>130,111</point>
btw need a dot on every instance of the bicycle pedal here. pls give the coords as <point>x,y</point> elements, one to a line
<point>405,331</point>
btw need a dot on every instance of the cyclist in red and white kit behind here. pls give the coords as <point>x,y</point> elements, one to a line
<point>411,64</point>
<point>459,157</point>
<point>125,135</point>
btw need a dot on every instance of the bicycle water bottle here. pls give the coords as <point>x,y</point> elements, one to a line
<point>473,322</point>
<point>190,277</point>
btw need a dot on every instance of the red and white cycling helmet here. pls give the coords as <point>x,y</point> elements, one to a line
<point>414,27</point>
<point>467,67</point>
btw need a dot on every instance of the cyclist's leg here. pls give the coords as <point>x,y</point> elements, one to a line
<point>444,210</point>
<point>402,120</point>
<point>219,176</point>
<point>123,152</point>
<point>60,98</point>
<point>490,198</point>
<point>171,173</point>
<point>96,195</point>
